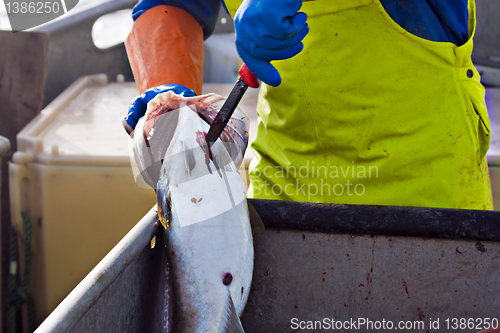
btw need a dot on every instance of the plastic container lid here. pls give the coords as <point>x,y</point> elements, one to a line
<point>82,126</point>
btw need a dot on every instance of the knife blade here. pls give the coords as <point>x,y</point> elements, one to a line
<point>246,79</point>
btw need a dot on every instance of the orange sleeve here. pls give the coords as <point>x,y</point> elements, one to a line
<point>166,46</point>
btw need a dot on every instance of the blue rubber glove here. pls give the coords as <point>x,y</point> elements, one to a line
<point>138,107</point>
<point>269,30</point>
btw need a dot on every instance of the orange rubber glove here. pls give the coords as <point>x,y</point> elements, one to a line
<point>166,47</point>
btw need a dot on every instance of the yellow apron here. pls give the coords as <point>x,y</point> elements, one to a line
<point>369,113</point>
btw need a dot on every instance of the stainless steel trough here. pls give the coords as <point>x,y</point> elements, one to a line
<point>316,263</point>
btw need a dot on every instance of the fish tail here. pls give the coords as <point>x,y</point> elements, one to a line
<point>233,323</point>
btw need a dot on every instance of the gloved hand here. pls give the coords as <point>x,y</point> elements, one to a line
<point>138,107</point>
<point>164,46</point>
<point>269,30</point>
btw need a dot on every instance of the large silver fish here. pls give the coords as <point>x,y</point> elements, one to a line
<point>202,203</point>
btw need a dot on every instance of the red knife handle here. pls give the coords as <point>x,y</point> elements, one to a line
<point>247,76</point>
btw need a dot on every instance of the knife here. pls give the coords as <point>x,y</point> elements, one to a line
<point>246,79</point>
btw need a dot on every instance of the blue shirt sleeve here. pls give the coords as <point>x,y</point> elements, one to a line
<point>205,12</point>
<point>436,20</point>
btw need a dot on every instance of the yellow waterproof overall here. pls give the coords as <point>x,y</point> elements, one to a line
<point>368,113</point>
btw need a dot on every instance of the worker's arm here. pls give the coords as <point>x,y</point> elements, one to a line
<point>165,49</point>
<point>269,30</point>
<point>205,12</point>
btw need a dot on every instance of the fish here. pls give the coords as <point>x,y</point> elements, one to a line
<point>201,202</point>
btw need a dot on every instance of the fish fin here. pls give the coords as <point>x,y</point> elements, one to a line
<point>163,203</point>
<point>221,159</point>
<point>256,223</point>
<point>233,323</point>
<point>189,160</point>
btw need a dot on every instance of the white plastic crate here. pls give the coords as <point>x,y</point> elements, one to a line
<point>72,174</point>
<point>493,155</point>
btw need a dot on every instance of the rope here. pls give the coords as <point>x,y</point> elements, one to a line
<point>18,294</point>
<point>13,302</point>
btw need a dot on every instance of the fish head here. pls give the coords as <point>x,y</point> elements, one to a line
<point>156,130</point>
